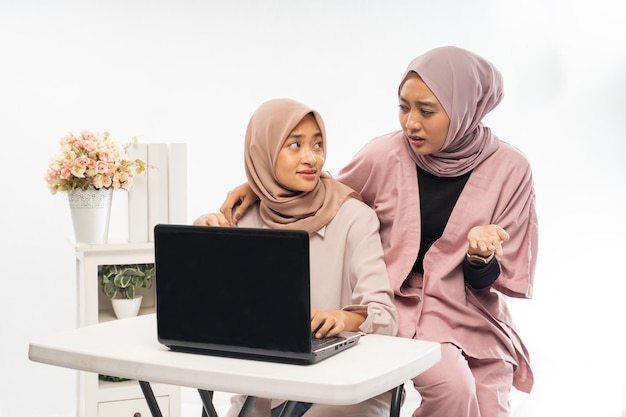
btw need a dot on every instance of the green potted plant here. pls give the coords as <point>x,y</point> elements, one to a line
<point>120,284</point>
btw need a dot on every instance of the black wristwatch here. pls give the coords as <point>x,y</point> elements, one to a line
<point>477,260</point>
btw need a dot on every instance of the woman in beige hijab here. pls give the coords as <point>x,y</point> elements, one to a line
<point>284,156</point>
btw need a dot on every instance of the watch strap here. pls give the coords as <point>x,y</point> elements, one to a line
<point>477,260</point>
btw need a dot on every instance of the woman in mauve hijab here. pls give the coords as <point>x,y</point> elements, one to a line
<point>284,156</point>
<point>459,229</point>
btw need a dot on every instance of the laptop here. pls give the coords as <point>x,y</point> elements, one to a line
<point>238,292</point>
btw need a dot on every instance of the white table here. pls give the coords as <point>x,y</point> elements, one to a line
<point>129,348</point>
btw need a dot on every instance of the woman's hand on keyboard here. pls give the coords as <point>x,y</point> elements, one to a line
<point>327,323</point>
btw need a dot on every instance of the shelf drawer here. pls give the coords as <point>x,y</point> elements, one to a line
<point>132,408</point>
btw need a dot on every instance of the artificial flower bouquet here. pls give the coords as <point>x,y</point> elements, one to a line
<point>91,160</point>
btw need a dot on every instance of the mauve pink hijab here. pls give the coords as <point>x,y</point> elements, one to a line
<point>280,207</point>
<point>468,87</point>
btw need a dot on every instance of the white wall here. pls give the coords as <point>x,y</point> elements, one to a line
<point>194,71</point>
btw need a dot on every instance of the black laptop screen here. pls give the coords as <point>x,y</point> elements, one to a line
<point>233,289</point>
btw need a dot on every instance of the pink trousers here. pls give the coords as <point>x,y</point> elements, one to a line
<point>464,387</point>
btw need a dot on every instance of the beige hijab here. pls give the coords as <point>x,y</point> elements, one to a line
<point>280,207</point>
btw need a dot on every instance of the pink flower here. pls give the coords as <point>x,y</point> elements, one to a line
<point>87,135</point>
<point>69,138</point>
<point>65,173</point>
<point>104,155</point>
<point>121,176</point>
<point>51,174</point>
<point>107,181</point>
<point>128,184</point>
<point>82,161</point>
<point>101,167</point>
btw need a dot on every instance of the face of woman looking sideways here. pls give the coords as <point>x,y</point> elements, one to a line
<point>301,159</point>
<point>422,118</point>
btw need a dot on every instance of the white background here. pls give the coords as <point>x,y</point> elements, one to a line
<point>194,71</point>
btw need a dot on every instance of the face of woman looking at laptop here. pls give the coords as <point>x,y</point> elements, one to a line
<point>301,159</point>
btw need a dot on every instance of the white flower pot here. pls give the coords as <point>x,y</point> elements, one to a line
<point>124,307</point>
<point>91,210</point>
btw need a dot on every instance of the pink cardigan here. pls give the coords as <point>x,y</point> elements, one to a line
<point>438,306</point>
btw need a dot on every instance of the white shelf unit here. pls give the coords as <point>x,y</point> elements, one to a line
<point>98,398</point>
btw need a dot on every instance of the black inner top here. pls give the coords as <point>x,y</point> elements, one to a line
<point>438,196</point>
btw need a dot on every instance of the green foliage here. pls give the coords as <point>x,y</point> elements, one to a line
<point>122,281</point>
<point>113,379</point>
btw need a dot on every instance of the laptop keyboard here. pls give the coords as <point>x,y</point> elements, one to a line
<point>320,343</point>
